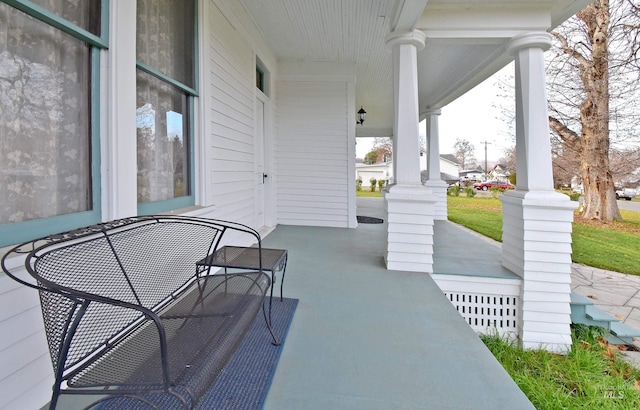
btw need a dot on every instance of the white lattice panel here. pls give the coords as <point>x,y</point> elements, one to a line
<point>487,304</point>
<point>487,313</point>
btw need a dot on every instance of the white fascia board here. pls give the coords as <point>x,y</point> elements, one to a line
<point>484,23</point>
<point>374,132</point>
<point>405,14</point>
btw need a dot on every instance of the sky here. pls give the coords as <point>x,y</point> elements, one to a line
<point>474,117</point>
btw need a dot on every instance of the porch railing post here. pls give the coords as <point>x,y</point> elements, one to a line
<point>434,181</point>
<point>409,205</point>
<point>537,221</point>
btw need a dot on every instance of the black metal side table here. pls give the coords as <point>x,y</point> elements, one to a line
<point>240,257</point>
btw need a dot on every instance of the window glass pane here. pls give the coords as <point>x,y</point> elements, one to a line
<point>44,120</point>
<point>166,37</point>
<point>83,13</point>
<point>162,118</point>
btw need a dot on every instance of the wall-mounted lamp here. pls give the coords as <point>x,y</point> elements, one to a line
<point>362,114</point>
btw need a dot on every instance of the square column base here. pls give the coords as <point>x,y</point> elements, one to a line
<point>439,189</point>
<point>410,212</point>
<point>536,245</point>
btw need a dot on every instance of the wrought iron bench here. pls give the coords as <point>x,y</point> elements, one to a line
<point>128,313</point>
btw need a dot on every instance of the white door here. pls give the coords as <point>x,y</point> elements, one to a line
<point>261,177</point>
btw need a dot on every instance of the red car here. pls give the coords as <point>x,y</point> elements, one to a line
<point>483,186</point>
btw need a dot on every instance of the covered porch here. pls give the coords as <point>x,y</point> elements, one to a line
<point>369,338</point>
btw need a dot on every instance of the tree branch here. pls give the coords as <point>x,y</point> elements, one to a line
<point>568,136</point>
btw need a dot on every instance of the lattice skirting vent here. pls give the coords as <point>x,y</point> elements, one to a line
<point>488,305</point>
<point>487,313</point>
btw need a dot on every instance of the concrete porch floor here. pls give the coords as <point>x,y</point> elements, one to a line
<point>364,337</point>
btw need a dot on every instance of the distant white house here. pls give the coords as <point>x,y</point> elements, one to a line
<point>499,173</point>
<point>384,170</point>
<point>472,175</point>
<point>381,170</point>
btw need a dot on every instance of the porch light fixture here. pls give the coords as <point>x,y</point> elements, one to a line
<point>361,116</point>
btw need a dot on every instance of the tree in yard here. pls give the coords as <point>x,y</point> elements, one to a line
<point>464,153</point>
<point>565,162</point>
<point>371,157</point>
<point>593,93</point>
<point>625,166</point>
<point>509,159</point>
<point>384,147</point>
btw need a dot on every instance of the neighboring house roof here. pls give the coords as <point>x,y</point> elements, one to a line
<point>449,178</point>
<point>450,158</point>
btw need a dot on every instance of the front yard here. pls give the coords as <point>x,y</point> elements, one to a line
<point>612,246</point>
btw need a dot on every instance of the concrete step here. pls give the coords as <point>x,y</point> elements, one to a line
<point>584,311</point>
<point>598,315</point>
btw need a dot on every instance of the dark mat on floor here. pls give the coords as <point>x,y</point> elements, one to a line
<point>369,220</point>
<point>244,382</point>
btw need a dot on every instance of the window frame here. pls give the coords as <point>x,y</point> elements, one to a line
<point>19,232</point>
<point>147,208</point>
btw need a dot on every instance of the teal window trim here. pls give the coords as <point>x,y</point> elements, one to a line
<point>64,25</point>
<point>96,165</point>
<point>161,76</point>
<point>19,232</point>
<point>104,23</point>
<point>152,208</point>
<point>196,59</point>
<point>27,230</point>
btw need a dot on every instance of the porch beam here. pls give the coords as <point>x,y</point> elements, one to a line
<point>536,234</point>
<point>406,14</point>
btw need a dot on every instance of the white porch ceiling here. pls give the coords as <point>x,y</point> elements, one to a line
<point>465,42</point>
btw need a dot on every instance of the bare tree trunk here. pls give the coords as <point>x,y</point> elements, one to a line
<point>599,191</point>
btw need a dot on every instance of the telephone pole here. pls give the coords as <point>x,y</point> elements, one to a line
<point>485,155</point>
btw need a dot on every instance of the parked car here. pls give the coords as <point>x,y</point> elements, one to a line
<point>625,193</point>
<point>483,186</point>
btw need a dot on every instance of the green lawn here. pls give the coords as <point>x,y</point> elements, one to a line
<point>593,375</point>
<point>612,246</point>
<point>368,193</point>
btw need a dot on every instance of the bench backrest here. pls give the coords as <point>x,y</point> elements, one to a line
<point>142,262</point>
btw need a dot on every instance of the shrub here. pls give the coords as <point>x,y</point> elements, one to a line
<point>496,191</point>
<point>470,192</point>
<point>454,191</point>
<point>575,196</point>
<point>359,184</point>
<point>381,183</point>
<point>373,181</point>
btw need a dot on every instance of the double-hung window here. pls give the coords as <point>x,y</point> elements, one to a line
<point>166,88</point>
<point>49,111</point>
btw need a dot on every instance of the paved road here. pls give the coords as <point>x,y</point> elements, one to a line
<point>629,205</point>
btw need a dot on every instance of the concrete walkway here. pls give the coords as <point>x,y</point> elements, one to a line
<point>616,293</point>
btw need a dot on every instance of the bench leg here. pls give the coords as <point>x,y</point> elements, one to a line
<point>267,320</point>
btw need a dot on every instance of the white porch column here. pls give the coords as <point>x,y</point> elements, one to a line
<point>434,181</point>
<point>409,205</point>
<point>536,233</point>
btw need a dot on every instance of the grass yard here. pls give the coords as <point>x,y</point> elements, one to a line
<point>368,193</point>
<point>612,246</point>
<point>592,376</point>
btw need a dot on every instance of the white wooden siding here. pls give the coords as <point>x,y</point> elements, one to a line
<point>311,153</point>
<point>230,119</point>
<point>26,374</point>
